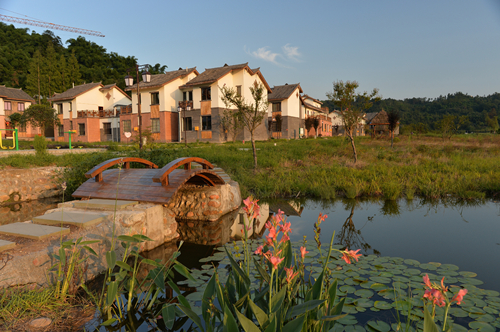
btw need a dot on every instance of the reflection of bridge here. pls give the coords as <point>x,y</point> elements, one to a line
<point>150,184</point>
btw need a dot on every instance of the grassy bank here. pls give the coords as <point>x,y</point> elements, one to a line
<point>465,167</point>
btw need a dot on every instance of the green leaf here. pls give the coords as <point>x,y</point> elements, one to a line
<point>141,237</point>
<point>272,326</point>
<point>168,313</point>
<point>112,290</point>
<point>429,325</point>
<point>303,308</point>
<point>261,316</point>
<point>129,239</point>
<point>109,322</point>
<point>89,242</point>
<point>229,322</point>
<point>124,266</point>
<point>237,268</point>
<point>316,289</point>
<point>294,325</point>
<point>277,299</point>
<point>150,262</point>
<point>262,271</point>
<point>379,326</point>
<point>62,256</point>
<point>184,271</point>
<point>174,287</point>
<point>68,243</point>
<point>246,323</point>
<point>208,294</point>
<point>158,277</point>
<point>90,250</point>
<point>183,301</point>
<point>192,315</point>
<point>332,318</point>
<point>111,259</point>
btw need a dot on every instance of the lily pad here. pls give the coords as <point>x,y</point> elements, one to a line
<point>458,312</point>
<point>468,274</point>
<point>449,267</point>
<point>366,293</point>
<point>379,326</point>
<point>412,262</point>
<point>481,326</point>
<point>378,287</point>
<point>430,267</point>
<point>412,271</point>
<point>382,305</point>
<point>485,318</point>
<point>354,328</point>
<point>347,289</point>
<point>381,279</point>
<point>348,320</point>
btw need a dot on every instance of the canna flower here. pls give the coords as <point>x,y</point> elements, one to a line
<point>286,227</point>
<point>322,217</point>
<point>275,261</point>
<point>427,282</point>
<point>460,295</point>
<point>435,296</point>
<point>284,238</point>
<point>290,275</point>
<point>259,250</point>
<point>272,234</point>
<point>303,252</point>
<point>349,255</point>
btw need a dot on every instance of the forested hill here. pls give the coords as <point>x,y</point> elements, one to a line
<point>430,111</point>
<point>23,55</point>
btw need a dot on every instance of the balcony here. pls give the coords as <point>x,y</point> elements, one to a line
<point>96,114</point>
<point>186,103</point>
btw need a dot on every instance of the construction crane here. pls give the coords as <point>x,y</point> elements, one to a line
<point>49,25</point>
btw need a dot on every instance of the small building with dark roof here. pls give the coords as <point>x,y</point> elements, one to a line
<point>312,109</point>
<point>378,124</point>
<point>93,110</point>
<point>14,101</point>
<point>203,121</point>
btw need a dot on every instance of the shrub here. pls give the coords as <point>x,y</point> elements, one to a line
<point>40,145</point>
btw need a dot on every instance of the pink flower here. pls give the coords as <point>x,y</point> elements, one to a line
<point>349,255</point>
<point>435,296</point>
<point>460,295</point>
<point>286,227</point>
<point>427,282</point>
<point>272,234</point>
<point>284,238</point>
<point>322,217</point>
<point>303,252</point>
<point>275,261</point>
<point>259,250</point>
<point>290,275</point>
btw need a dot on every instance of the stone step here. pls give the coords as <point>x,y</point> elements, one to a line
<point>5,245</point>
<point>81,219</point>
<point>103,204</point>
<point>32,231</point>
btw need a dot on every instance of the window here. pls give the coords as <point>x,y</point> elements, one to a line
<point>155,125</point>
<point>206,93</point>
<point>206,122</point>
<point>20,107</point>
<point>187,124</point>
<point>7,106</point>
<point>59,109</point>
<point>70,106</point>
<point>107,128</point>
<point>81,129</point>
<point>22,128</point>
<point>60,131</point>
<point>155,98</point>
<point>276,107</point>
<point>71,125</point>
<point>238,90</point>
<point>127,126</point>
<point>187,96</point>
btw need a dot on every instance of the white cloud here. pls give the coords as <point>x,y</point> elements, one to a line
<point>264,53</point>
<point>292,52</point>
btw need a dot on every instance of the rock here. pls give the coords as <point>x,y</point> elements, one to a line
<point>214,197</point>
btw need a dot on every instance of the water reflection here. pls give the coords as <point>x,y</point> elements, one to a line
<point>23,211</point>
<point>349,236</point>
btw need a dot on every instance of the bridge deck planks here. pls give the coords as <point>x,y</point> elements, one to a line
<point>137,184</point>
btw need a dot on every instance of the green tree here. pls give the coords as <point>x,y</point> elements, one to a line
<point>34,80</point>
<point>252,113</point>
<point>74,75</point>
<point>41,116</point>
<point>450,124</point>
<point>492,120</point>
<point>51,73</point>
<point>351,105</point>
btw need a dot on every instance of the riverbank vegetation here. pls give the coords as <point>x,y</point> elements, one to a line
<point>464,167</point>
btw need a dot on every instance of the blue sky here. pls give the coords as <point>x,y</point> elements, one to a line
<point>406,49</point>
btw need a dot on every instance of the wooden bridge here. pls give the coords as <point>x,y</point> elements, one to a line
<point>150,184</point>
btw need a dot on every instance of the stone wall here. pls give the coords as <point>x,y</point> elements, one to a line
<point>205,203</point>
<point>19,185</point>
<point>22,211</point>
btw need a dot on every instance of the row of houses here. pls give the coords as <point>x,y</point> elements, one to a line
<point>176,106</point>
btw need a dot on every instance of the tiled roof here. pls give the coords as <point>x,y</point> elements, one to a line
<point>162,79</point>
<point>309,97</point>
<point>16,94</point>
<point>376,117</point>
<point>281,92</point>
<point>107,87</point>
<point>211,75</point>
<point>74,92</point>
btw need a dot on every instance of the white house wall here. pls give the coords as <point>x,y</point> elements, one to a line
<point>90,100</point>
